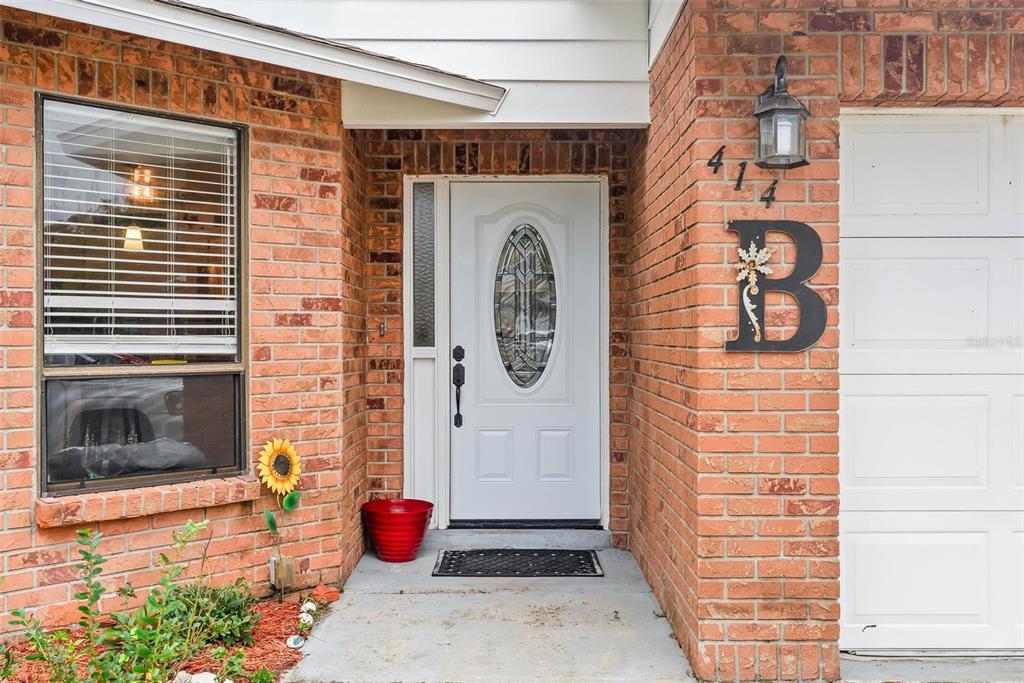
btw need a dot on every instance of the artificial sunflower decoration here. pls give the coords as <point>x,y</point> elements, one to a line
<point>279,466</point>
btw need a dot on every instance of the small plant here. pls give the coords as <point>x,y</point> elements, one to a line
<point>262,676</point>
<point>230,664</point>
<point>6,663</point>
<point>61,651</point>
<point>148,642</point>
<point>224,613</point>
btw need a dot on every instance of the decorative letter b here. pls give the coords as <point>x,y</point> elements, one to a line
<point>752,285</point>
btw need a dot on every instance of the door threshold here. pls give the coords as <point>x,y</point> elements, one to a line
<point>589,524</point>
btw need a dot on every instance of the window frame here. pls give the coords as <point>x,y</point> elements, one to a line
<point>239,368</point>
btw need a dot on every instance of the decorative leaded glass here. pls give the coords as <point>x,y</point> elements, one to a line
<point>524,305</point>
<point>423,264</point>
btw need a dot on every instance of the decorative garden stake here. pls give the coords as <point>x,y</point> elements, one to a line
<point>279,470</point>
<point>752,261</point>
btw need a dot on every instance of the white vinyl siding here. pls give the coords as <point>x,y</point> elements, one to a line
<point>140,224</point>
<point>564,62</point>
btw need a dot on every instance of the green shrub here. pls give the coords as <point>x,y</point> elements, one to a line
<point>222,613</point>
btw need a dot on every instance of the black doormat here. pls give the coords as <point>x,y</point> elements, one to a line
<point>517,562</point>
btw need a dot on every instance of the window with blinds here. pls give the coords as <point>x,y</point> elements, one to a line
<point>140,237</point>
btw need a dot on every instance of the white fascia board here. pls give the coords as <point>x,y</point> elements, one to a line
<point>192,26</point>
<point>528,105</point>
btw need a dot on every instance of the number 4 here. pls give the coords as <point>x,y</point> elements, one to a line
<point>768,196</point>
<point>715,161</point>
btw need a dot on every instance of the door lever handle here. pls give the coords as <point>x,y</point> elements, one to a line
<point>458,379</point>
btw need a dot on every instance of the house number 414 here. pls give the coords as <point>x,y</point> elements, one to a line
<point>768,196</point>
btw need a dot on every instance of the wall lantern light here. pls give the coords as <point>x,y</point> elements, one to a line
<point>781,142</point>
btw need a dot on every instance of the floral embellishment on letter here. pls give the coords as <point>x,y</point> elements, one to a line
<point>752,261</point>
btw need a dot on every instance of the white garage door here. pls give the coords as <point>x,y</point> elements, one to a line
<point>932,390</point>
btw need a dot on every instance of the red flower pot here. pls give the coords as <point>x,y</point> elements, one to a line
<point>396,526</point>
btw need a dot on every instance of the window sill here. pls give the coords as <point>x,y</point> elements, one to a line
<point>113,505</point>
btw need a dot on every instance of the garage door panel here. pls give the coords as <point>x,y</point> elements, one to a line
<point>898,168</point>
<point>920,175</point>
<point>931,442</point>
<point>944,305</point>
<point>925,580</point>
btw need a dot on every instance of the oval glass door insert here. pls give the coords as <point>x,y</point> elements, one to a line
<point>524,305</point>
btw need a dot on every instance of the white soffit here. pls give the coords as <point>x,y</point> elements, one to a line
<point>200,27</point>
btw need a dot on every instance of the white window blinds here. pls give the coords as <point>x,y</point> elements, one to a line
<point>140,228</point>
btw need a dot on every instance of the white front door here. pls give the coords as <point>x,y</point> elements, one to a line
<point>932,388</point>
<point>525,309</point>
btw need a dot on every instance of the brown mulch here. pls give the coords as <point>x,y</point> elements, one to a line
<point>278,620</point>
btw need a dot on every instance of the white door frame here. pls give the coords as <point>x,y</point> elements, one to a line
<point>440,453</point>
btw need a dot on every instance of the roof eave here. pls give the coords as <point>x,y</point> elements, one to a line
<point>175,22</point>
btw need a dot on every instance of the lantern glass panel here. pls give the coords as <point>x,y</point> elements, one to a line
<point>767,137</point>
<point>788,135</point>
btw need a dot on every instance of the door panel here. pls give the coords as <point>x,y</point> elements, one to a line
<point>529,445</point>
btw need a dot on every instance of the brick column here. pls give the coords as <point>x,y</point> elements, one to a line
<point>734,456</point>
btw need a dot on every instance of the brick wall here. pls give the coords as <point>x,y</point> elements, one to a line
<point>307,314</point>
<point>733,457</point>
<point>393,154</point>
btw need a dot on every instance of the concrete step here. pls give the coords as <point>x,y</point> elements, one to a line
<point>472,539</point>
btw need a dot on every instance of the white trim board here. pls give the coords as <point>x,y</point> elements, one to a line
<point>427,473</point>
<point>203,28</point>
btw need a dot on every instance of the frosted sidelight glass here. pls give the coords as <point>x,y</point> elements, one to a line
<point>423,264</point>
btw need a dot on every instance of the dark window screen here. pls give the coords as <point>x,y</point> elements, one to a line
<point>103,428</point>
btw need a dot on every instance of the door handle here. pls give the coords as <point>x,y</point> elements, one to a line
<point>458,379</point>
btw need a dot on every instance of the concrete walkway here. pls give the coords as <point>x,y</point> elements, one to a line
<point>398,623</point>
